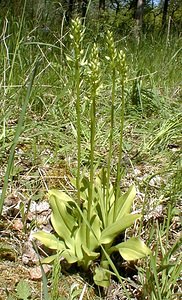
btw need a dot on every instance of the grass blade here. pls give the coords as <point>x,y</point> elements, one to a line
<point>16,137</point>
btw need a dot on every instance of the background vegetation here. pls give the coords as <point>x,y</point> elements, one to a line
<point>38,137</point>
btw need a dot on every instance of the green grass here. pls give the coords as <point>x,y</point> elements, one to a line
<point>152,137</point>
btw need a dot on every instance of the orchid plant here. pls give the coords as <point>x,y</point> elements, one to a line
<point>86,226</point>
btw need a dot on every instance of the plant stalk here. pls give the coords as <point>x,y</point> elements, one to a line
<point>110,139</point>
<point>118,176</point>
<point>92,147</point>
<point>77,78</point>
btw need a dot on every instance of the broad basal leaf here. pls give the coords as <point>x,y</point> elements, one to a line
<point>49,259</point>
<point>95,231</point>
<point>62,219</point>
<point>117,227</point>
<point>106,200</point>
<point>49,240</point>
<point>60,195</point>
<point>132,249</point>
<point>84,187</point>
<point>69,256</point>
<point>124,203</point>
<point>102,277</point>
<point>79,240</point>
<point>88,257</point>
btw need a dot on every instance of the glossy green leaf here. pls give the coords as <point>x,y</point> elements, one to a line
<point>102,277</point>
<point>67,254</point>
<point>62,219</point>
<point>95,224</point>
<point>132,249</point>
<point>70,256</point>
<point>106,200</point>
<point>124,203</point>
<point>80,236</point>
<point>109,233</point>
<point>84,186</point>
<point>49,259</point>
<point>60,195</point>
<point>49,240</point>
<point>79,240</point>
<point>88,257</point>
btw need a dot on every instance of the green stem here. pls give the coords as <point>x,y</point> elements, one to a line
<point>92,145</point>
<point>118,176</point>
<point>77,78</point>
<point>110,137</point>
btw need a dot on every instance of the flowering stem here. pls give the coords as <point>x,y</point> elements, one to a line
<point>122,72</point>
<point>94,77</point>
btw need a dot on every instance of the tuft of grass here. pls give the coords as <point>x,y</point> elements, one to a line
<point>16,138</point>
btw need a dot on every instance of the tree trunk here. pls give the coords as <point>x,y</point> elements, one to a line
<point>76,8</point>
<point>102,5</point>
<point>84,8</point>
<point>139,13</point>
<point>139,19</point>
<point>164,15</point>
<point>69,12</point>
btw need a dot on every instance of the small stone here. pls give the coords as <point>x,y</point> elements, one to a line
<point>36,273</point>
<point>17,225</point>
